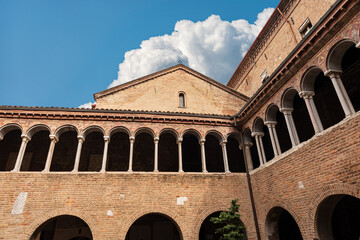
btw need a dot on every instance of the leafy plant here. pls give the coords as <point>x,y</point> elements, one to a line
<point>230,225</point>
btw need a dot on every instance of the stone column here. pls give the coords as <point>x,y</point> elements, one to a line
<point>78,154</point>
<point>24,142</point>
<point>248,156</point>
<point>341,92</point>
<point>179,142</point>
<point>132,141</point>
<point>225,158</point>
<point>290,125</point>
<point>259,145</point>
<point>273,137</point>
<point>156,154</point>
<point>105,154</point>
<point>53,141</point>
<point>203,159</point>
<point>314,115</point>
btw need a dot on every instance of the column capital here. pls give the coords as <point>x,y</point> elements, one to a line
<point>332,73</point>
<point>254,134</point>
<point>286,111</point>
<point>306,94</point>
<point>1,138</point>
<point>132,139</point>
<point>25,138</point>
<point>179,140</point>
<point>53,138</point>
<point>248,144</point>
<point>107,139</point>
<point>156,139</point>
<point>202,141</point>
<point>357,45</point>
<point>270,123</point>
<point>81,138</point>
<point>223,143</point>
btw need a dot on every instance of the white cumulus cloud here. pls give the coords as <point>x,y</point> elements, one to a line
<point>213,47</point>
<point>86,105</point>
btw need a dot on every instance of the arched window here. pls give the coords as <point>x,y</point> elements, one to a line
<point>181,100</point>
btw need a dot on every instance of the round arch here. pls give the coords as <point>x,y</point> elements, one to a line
<point>144,130</point>
<point>281,225</point>
<point>194,132</point>
<point>325,192</point>
<point>119,129</point>
<point>216,134</point>
<point>170,214</point>
<point>8,128</point>
<point>308,79</point>
<point>271,111</point>
<point>258,125</point>
<point>92,129</point>
<point>43,217</point>
<point>288,97</point>
<point>336,54</point>
<point>37,128</point>
<point>171,131</point>
<point>65,128</point>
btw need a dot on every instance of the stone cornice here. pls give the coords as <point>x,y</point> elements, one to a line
<point>115,116</point>
<point>321,33</point>
<point>167,71</point>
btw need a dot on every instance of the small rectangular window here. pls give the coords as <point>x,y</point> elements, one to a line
<point>305,27</point>
<point>181,100</point>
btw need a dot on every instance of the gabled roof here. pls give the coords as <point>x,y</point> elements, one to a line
<point>164,72</point>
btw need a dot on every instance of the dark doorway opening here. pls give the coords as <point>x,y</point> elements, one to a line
<point>280,225</point>
<point>207,229</point>
<point>168,153</point>
<point>153,227</point>
<point>65,152</point>
<point>118,153</point>
<point>235,156</point>
<point>92,152</point>
<point>191,154</point>
<point>63,227</point>
<point>9,149</point>
<point>213,154</point>
<point>143,152</point>
<point>36,152</point>
<point>338,218</point>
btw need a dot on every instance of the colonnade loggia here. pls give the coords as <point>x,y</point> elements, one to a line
<point>336,67</point>
<point>54,139</point>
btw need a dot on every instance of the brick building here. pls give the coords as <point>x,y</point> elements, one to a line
<point>155,158</point>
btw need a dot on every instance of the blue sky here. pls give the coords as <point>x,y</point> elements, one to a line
<point>58,53</point>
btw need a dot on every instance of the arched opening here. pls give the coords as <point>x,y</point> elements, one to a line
<point>326,101</point>
<point>248,139</point>
<point>274,115</point>
<point>92,151</point>
<point>154,226</point>
<point>207,229</point>
<point>168,153</point>
<point>63,227</point>
<point>191,153</point>
<point>280,225</point>
<point>118,152</point>
<point>350,65</point>
<point>260,127</point>
<point>144,152</point>
<point>213,154</point>
<point>235,156</point>
<point>300,115</point>
<point>65,151</point>
<point>9,149</point>
<point>36,152</point>
<point>338,218</point>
